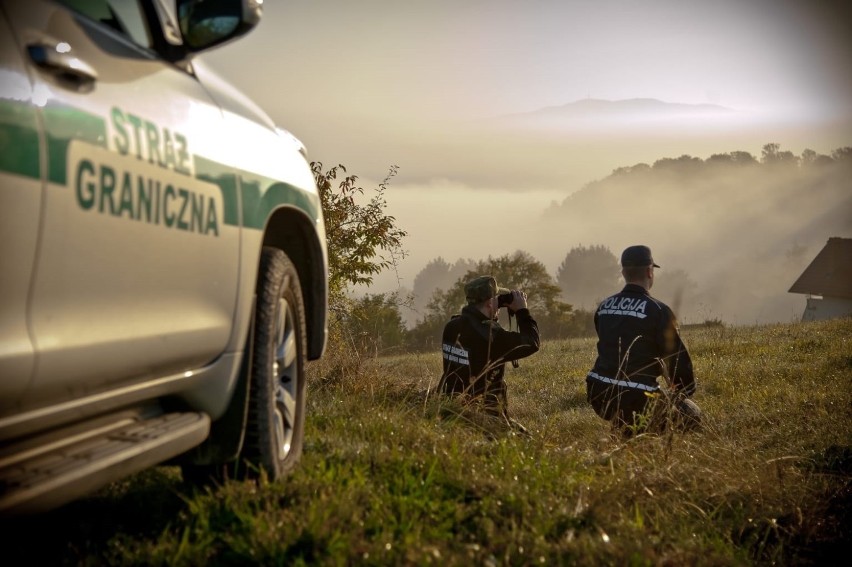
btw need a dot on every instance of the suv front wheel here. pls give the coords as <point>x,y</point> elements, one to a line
<point>276,421</point>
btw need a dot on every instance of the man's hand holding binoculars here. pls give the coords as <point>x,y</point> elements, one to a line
<point>513,301</point>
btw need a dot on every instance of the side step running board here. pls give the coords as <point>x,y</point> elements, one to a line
<point>43,477</point>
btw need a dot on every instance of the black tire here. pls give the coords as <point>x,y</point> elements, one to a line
<point>276,421</point>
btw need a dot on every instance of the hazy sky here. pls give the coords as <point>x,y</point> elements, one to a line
<point>425,59</point>
<point>372,83</point>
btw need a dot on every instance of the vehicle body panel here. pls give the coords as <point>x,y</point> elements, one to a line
<point>139,202</point>
<point>20,172</point>
<point>126,172</point>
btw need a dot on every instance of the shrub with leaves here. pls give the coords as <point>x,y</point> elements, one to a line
<point>362,239</point>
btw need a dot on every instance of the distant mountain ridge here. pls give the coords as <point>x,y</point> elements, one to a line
<point>631,105</point>
<point>633,114</point>
<point>637,106</point>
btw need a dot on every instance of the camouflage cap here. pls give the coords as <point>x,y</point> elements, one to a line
<point>479,289</point>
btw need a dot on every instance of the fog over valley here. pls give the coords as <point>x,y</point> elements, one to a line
<point>741,232</point>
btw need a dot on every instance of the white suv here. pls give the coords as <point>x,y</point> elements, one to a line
<point>163,264</point>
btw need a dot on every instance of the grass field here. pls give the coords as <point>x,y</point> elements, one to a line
<point>393,476</point>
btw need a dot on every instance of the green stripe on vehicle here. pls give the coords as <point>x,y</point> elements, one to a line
<point>64,124</point>
<point>19,142</point>
<point>19,151</point>
<point>260,195</point>
<point>225,178</point>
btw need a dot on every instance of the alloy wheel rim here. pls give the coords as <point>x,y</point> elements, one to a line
<point>285,370</point>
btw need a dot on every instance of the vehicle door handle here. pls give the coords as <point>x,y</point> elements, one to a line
<point>68,69</point>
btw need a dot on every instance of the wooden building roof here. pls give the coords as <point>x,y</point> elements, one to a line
<point>830,273</point>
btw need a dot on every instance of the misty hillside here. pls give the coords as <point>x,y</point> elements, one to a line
<point>742,229</point>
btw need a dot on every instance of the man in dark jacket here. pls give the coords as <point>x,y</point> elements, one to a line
<point>638,341</point>
<point>475,347</point>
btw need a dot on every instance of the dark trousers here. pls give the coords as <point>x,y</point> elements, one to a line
<point>634,411</point>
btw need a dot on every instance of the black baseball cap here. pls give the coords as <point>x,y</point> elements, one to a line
<point>638,255</point>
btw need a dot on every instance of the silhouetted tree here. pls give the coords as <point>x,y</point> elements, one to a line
<point>811,158</point>
<point>683,164</point>
<point>772,155</point>
<point>438,274</point>
<point>720,159</point>
<point>808,156</point>
<point>743,158</point>
<point>588,274</point>
<point>732,158</point>
<point>843,155</point>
